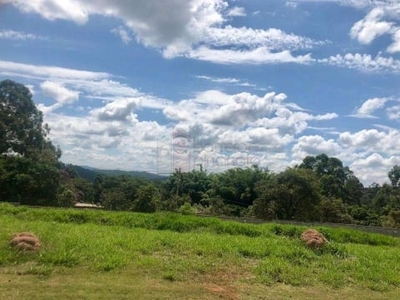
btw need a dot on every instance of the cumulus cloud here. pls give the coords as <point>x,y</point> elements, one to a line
<point>253,125</point>
<point>222,109</point>
<point>383,18</point>
<point>155,23</point>
<point>190,28</point>
<point>314,145</point>
<point>368,29</point>
<point>374,167</point>
<point>118,110</point>
<point>362,139</point>
<point>371,140</point>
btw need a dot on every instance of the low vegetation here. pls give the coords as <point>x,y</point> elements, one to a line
<point>103,255</point>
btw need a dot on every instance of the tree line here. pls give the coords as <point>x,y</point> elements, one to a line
<point>320,188</point>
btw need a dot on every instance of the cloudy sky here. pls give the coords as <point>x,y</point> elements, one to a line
<point>157,85</point>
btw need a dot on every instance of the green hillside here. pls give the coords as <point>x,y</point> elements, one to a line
<point>90,173</point>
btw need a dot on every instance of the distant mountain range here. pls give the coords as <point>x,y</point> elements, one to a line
<point>90,173</point>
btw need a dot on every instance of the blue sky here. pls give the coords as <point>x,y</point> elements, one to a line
<point>157,85</point>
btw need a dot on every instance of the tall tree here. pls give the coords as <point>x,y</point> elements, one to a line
<point>29,161</point>
<point>21,123</point>
<point>337,180</point>
<point>237,186</point>
<point>293,195</point>
<point>394,176</point>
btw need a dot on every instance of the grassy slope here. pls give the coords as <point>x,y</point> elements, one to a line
<point>106,255</point>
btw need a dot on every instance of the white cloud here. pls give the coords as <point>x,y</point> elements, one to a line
<point>122,33</point>
<point>190,28</point>
<point>67,82</point>
<point>370,106</point>
<point>236,12</point>
<point>362,139</point>
<point>227,80</point>
<point>265,123</point>
<point>371,140</point>
<point>46,72</point>
<point>155,23</point>
<point>273,39</point>
<point>314,145</point>
<point>395,46</point>
<point>291,4</point>
<point>260,55</point>
<point>374,167</point>
<point>52,10</point>
<point>118,110</point>
<point>393,112</point>
<point>368,29</point>
<point>17,35</point>
<point>383,18</point>
<point>61,94</point>
<point>363,62</point>
<point>219,80</point>
<point>31,88</point>
<point>230,110</point>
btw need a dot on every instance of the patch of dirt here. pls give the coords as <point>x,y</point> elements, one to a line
<point>222,292</point>
<point>313,238</point>
<point>223,283</point>
<point>25,241</point>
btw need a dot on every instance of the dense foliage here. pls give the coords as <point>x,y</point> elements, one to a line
<point>321,188</point>
<point>29,166</point>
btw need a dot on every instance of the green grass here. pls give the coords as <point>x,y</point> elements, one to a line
<point>160,255</point>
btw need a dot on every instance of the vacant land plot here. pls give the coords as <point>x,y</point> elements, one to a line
<point>105,255</point>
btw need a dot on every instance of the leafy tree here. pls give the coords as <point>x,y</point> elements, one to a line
<point>193,184</point>
<point>114,199</point>
<point>336,180</point>
<point>386,199</point>
<point>363,215</point>
<point>98,187</point>
<point>370,193</point>
<point>394,176</point>
<point>66,198</point>
<point>29,162</point>
<point>28,182</point>
<point>21,124</point>
<point>84,189</point>
<point>393,219</point>
<point>293,195</point>
<point>333,210</point>
<point>126,193</point>
<point>146,199</point>
<point>237,186</point>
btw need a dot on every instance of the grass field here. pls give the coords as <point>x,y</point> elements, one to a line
<point>109,255</point>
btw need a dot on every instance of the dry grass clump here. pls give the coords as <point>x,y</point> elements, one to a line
<point>25,241</point>
<point>313,238</point>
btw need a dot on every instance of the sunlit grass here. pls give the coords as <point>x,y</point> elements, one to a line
<point>182,249</point>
